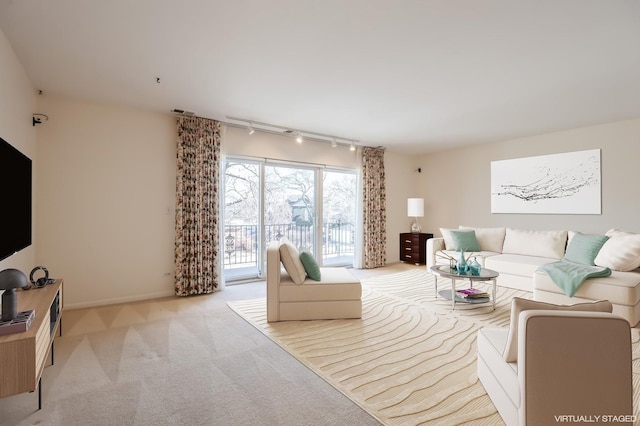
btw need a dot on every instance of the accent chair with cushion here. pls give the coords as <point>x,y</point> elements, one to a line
<point>304,291</point>
<point>553,362</point>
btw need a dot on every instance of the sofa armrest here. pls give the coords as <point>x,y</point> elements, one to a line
<point>273,281</point>
<point>433,245</point>
<point>572,362</point>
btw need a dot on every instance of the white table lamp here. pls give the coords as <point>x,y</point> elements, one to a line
<point>415,209</point>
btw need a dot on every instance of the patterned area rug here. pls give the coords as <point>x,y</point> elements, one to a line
<point>410,360</point>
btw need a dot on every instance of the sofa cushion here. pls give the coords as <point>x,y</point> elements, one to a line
<point>448,239</point>
<point>310,265</point>
<point>465,240</point>
<point>584,248</point>
<point>337,284</point>
<point>441,257</point>
<point>516,264</point>
<point>489,239</point>
<point>491,342</point>
<point>519,304</point>
<point>535,243</point>
<point>615,232</point>
<point>621,252</point>
<point>290,258</point>
<point>620,288</point>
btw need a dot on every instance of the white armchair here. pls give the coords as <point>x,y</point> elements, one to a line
<point>337,296</point>
<point>568,363</point>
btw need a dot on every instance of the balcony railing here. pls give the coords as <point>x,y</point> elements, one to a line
<point>241,241</point>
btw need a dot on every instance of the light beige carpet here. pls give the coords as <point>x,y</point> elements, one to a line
<point>410,360</point>
<point>176,361</point>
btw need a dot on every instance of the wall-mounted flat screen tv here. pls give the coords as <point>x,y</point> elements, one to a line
<point>15,200</point>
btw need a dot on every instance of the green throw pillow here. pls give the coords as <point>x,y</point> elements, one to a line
<point>310,265</point>
<point>584,248</point>
<point>465,240</point>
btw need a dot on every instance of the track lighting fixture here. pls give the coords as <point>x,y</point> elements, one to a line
<point>279,130</point>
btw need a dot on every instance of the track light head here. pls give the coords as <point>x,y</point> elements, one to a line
<point>352,147</point>
<point>334,143</point>
<point>250,129</point>
<point>299,137</point>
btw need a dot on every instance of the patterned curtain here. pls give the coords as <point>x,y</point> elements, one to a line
<point>374,202</point>
<point>197,206</point>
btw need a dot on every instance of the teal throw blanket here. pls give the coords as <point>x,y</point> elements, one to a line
<point>569,276</point>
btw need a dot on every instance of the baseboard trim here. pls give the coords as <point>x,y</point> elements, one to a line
<point>117,300</point>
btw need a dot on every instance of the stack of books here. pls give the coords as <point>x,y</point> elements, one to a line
<point>473,294</point>
<point>20,323</point>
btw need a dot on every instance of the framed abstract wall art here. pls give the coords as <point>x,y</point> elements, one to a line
<point>567,183</point>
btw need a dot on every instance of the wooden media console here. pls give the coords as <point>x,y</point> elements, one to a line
<point>23,354</point>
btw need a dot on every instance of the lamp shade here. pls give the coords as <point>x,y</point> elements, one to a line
<point>12,278</point>
<point>415,207</point>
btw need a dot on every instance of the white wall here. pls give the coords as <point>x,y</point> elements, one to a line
<point>106,181</point>
<point>104,185</point>
<point>17,105</point>
<point>106,189</point>
<point>106,197</point>
<point>456,184</point>
<point>402,183</point>
<point>107,194</point>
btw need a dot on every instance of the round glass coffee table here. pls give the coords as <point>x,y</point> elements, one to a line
<point>453,275</point>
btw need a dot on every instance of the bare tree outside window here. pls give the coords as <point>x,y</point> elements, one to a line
<point>288,210</point>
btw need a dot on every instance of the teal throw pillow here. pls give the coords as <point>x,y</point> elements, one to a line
<point>465,240</point>
<point>310,265</point>
<point>584,248</point>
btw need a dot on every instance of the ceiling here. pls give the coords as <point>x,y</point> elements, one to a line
<point>411,75</point>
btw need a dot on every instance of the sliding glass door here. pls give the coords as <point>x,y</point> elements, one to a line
<point>312,206</point>
<point>289,205</point>
<point>338,217</point>
<point>242,220</point>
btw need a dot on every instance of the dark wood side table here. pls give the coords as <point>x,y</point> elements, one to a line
<point>412,247</point>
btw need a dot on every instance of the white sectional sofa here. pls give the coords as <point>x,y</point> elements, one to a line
<point>517,254</point>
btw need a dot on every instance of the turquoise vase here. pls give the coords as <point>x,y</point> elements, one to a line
<point>462,264</point>
<point>474,267</point>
